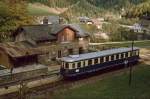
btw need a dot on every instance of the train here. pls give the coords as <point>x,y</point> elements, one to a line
<point>82,64</point>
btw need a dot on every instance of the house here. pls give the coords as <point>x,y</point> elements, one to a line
<point>43,44</point>
<point>85,20</point>
<point>98,22</point>
<point>15,54</point>
<point>49,19</point>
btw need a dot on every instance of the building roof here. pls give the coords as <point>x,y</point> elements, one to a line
<point>53,19</point>
<point>19,49</point>
<point>96,54</point>
<point>80,32</point>
<point>75,27</point>
<point>48,32</point>
<point>38,32</point>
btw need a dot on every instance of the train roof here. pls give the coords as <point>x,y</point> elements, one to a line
<point>73,58</point>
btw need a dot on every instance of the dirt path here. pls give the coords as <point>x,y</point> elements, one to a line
<point>145,55</point>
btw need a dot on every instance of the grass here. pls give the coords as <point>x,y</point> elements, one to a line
<point>127,44</point>
<point>114,87</point>
<point>38,10</point>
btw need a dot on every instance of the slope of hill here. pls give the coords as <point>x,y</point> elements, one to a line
<point>84,7</point>
<point>41,9</point>
<point>139,10</point>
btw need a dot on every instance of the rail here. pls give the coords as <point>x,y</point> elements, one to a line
<point>118,42</point>
<point>11,83</point>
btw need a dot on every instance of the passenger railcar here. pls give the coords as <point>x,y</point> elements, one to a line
<point>76,65</point>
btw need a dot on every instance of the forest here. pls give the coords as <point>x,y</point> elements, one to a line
<point>14,13</point>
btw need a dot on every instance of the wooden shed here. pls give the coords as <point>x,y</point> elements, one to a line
<point>16,54</point>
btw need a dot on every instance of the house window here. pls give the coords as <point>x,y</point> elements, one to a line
<point>70,51</point>
<point>80,39</point>
<point>81,50</point>
<point>59,54</point>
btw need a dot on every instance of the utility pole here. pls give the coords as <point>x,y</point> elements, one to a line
<point>23,90</point>
<point>130,72</point>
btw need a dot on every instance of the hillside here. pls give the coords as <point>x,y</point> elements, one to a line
<point>41,9</point>
<point>139,10</point>
<point>69,8</point>
<point>82,8</point>
<point>89,7</point>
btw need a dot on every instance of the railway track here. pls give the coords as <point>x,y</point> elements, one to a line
<point>67,84</point>
<point>11,83</point>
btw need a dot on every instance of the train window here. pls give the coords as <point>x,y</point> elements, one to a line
<point>70,65</point>
<point>73,65</point>
<point>90,62</point>
<point>133,53</point>
<point>101,60</point>
<point>82,64</point>
<point>117,56</point>
<point>129,54</point>
<point>104,59</point>
<point>66,65</point>
<point>122,55</point>
<point>93,61</point>
<point>62,64</point>
<point>137,52</point>
<point>96,61</point>
<point>112,57</point>
<point>126,54</point>
<point>86,62</point>
<point>107,58</point>
<point>79,65</point>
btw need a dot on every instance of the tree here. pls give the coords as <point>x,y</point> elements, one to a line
<point>13,13</point>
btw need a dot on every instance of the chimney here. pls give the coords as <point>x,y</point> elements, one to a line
<point>45,20</point>
<point>60,20</point>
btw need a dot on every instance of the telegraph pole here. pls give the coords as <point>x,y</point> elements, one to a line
<point>130,66</point>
